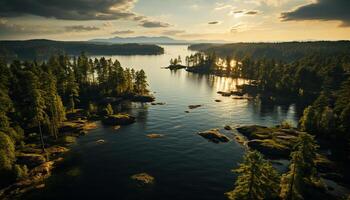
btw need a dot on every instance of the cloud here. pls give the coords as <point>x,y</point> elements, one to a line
<point>252,12</point>
<point>321,10</point>
<point>124,32</point>
<point>214,22</point>
<point>221,6</point>
<point>81,28</point>
<point>12,30</point>
<point>235,28</point>
<point>70,9</point>
<point>238,11</point>
<point>173,32</point>
<point>153,24</point>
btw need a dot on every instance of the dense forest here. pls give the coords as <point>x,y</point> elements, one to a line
<point>284,51</point>
<point>315,75</point>
<point>43,49</point>
<point>37,97</point>
<point>323,82</point>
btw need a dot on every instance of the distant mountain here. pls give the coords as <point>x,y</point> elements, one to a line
<point>151,40</point>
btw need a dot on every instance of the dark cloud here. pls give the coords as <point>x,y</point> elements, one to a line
<point>322,10</point>
<point>251,12</point>
<point>125,32</point>
<point>238,11</point>
<point>12,31</point>
<point>213,23</point>
<point>70,9</point>
<point>153,24</point>
<point>173,32</point>
<point>81,28</point>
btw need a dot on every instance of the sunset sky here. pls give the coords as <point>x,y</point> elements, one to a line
<point>230,20</point>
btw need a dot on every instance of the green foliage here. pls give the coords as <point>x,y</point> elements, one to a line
<point>257,179</point>
<point>302,170</point>
<point>141,82</point>
<point>286,124</point>
<point>109,110</point>
<point>7,153</point>
<point>20,171</point>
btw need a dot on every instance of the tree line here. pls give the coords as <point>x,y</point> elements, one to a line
<point>35,97</point>
<point>321,83</point>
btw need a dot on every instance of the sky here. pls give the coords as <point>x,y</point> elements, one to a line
<point>228,20</point>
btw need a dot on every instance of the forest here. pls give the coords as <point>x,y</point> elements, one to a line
<point>284,51</point>
<point>42,49</point>
<point>36,98</point>
<point>319,82</point>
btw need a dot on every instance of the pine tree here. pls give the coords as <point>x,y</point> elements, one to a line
<point>302,170</point>
<point>257,179</point>
<point>72,91</point>
<point>141,83</point>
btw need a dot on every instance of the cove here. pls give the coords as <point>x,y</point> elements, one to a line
<point>184,165</point>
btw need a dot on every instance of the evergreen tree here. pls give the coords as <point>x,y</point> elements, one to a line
<point>257,179</point>
<point>141,83</point>
<point>302,170</point>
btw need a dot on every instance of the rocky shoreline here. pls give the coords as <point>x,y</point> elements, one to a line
<point>41,164</point>
<point>276,143</point>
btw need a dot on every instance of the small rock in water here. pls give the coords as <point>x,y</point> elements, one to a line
<point>116,127</point>
<point>187,111</point>
<point>217,100</point>
<point>194,106</point>
<point>224,94</point>
<point>143,179</point>
<point>227,127</point>
<point>158,103</point>
<point>40,186</point>
<point>154,136</point>
<point>100,141</point>
<point>214,136</point>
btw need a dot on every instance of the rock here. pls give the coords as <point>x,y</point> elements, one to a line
<point>116,127</point>
<point>40,186</point>
<point>176,67</point>
<point>154,136</point>
<point>254,131</point>
<point>82,133</point>
<point>31,160</point>
<point>100,141</point>
<point>270,148</point>
<point>227,127</point>
<point>187,111</point>
<point>217,100</point>
<point>143,179</point>
<point>237,93</point>
<point>240,139</point>
<point>54,150</point>
<point>214,136</point>
<point>90,126</point>
<point>118,119</point>
<point>194,106</point>
<point>242,98</point>
<point>159,103</point>
<point>225,94</point>
<point>143,98</point>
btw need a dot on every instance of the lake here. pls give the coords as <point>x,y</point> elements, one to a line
<point>184,165</point>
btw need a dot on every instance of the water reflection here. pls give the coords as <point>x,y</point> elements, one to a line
<point>202,168</point>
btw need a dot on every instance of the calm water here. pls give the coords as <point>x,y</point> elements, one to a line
<point>185,165</point>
